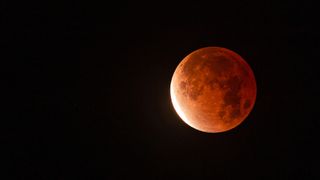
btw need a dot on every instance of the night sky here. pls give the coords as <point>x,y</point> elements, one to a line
<point>86,90</point>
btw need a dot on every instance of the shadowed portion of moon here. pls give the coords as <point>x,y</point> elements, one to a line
<point>213,89</point>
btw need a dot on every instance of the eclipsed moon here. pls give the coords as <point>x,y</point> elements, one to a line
<point>213,89</point>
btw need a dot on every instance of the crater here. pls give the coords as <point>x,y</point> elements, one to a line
<point>235,113</point>
<point>231,98</point>
<point>222,114</point>
<point>194,92</point>
<point>246,104</point>
<point>191,90</point>
<point>212,82</point>
<point>182,85</point>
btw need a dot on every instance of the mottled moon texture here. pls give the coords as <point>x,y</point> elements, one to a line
<point>213,89</point>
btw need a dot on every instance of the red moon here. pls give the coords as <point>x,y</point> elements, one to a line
<point>213,89</point>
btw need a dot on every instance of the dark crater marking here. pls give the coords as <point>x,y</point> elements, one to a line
<point>247,104</point>
<point>232,97</point>
<point>191,90</point>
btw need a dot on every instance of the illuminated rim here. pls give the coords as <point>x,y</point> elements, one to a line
<point>176,106</point>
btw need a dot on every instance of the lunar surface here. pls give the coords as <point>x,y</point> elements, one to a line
<point>213,89</point>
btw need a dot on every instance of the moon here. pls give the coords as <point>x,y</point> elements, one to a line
<point>213,89</point>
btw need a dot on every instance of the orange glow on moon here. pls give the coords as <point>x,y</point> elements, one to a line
<point>213,89</point>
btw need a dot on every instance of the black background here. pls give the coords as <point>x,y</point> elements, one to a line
<point>86,90</point>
